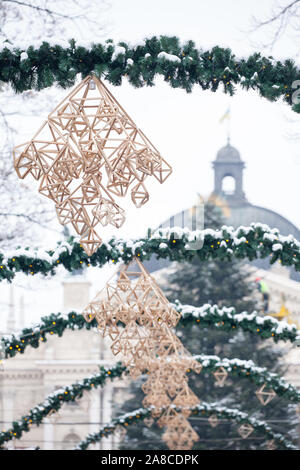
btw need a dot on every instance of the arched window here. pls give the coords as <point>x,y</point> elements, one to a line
<point>70,441</point>
<point>228,184</point>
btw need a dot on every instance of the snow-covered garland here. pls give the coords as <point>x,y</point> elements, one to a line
<point>203,409</point>
<point>37,66</point>
<point>175,244</point>
<point>55,400</point>
<point>247,369</point>
<point>209,315</point>
<point>225,319</point>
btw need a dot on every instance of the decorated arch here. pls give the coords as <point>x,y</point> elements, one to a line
<point>141,329</point>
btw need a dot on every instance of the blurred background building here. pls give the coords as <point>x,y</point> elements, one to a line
<point>27,379</point>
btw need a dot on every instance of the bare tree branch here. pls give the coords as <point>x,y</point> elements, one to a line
<point>31,219</point>
<point>280,14</point>
<point>280,20</point>
<point>24,215</point>
<point>36,7</point>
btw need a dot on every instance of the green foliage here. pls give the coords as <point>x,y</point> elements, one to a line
<point>203,411</point>
<point>227,320</point>
<point>48,65</point>
<point>198,283</point>
<point>223,284</point>
<point>222,319</point>
<point>209,69</point>
<point>55,401</point>
<point>212,283</point>
<point>225,244</point>
<point>243,369</point>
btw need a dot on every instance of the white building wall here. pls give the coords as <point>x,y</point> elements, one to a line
<point>27,379</point>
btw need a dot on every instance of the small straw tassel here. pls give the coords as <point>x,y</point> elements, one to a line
<point>87,152</point>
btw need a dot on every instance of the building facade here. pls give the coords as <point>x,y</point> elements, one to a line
<point>27,379</point>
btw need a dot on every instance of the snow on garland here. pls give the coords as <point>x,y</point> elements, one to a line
<point>203,409</point>
<point>208,315</point>
<point>247,369</point>
<point>55,400</point>
<point>224,318</point>
<point>252,242</point>
<point>36,66</point>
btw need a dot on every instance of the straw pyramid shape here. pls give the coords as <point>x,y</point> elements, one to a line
<point>265,395</point>
<point>220,376</point>
<point>245,430</point>
<point>179,434</point>
<point>138,318</point>
<point>167,386</point>
<point>88,151</point>
<point>134,313</point>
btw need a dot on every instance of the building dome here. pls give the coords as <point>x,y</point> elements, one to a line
<point>248,213</point>
<point>237,210</point>
<point>228,154</point>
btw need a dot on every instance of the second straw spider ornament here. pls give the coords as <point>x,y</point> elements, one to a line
<point>138,318</point>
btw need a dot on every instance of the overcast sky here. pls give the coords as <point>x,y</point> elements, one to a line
<point>185,127</point>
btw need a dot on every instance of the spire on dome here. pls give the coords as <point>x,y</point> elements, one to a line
<point>228,168</point>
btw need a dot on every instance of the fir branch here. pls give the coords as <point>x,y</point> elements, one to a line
<point>203,409</point>
<point>256,241</point>
<point>181,66</point>
<point>207,316</point>
<point>70,393</point>
<point>55,400</point>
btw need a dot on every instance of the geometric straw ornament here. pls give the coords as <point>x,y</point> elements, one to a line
<point>220,376</point>
<point>180,435</point>
<point>167,386</point>
<point>265,396</point>
<point>245,430</point>
<point>134,313</point>
<point>213,420</point>
<point>167,381</point>
<point>87,152</point>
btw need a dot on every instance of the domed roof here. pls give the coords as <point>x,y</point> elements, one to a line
<point>236,216</point>
<point>228,154</point>
<point>248,213</point>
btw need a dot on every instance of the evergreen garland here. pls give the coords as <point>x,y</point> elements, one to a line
<point>256,241</point>
<point>225,319</point>
<point>181,66</point>
<point>54,401</point>
<point>247,369</point>
<point>203,409</point>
